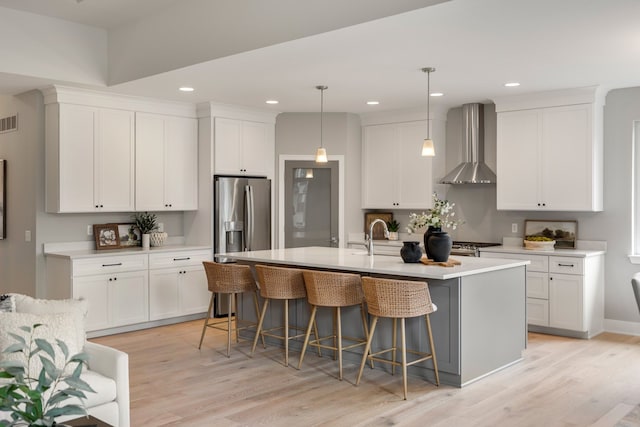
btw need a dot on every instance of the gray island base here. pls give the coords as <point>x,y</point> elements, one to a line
<point>480,326</point>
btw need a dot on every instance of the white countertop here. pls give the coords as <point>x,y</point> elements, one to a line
<point>92,253</point>
<point>579,253</point>
<point>358,261</point>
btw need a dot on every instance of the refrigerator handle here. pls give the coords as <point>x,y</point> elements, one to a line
<point>249,221</point>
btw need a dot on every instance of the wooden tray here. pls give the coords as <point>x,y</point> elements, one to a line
<point>449,263</point>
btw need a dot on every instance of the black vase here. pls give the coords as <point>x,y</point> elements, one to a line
<point>411,252</point>
<point>439,245</point>
<point>427,234</point>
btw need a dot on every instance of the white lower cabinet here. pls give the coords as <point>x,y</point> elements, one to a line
<point>177,284</point>
<point>131,289</point>
<point>115,288</point>
<point>564,293</point>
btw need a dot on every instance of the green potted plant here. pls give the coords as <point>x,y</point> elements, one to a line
<point>146,223</point>
<point>38,401</point>
<point>393,226</point>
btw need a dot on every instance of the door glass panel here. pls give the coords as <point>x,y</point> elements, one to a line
<point>311,208</point>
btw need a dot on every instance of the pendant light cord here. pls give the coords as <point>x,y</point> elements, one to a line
<point>321,114</point>
<point>428,93</point>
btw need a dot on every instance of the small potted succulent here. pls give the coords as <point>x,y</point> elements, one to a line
<point>393,226</point>
<point>146,223</point>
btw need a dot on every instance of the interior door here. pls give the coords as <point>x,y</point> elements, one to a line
<point>311,204</point>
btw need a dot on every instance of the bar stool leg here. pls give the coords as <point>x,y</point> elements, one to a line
<point>312,320</point>
<point>365,327</point>
<point>339,321</point>
<point>286,332</point>
<point>259,330</point>
<point>335,332</point>
<point>433,350</point>
<point>206,320</point>
<point>255,302</point>
<point>404,358</point>
<point>229,329</point>
<point>394,338</point>
<point>235,308</point>
<point>367,349</point>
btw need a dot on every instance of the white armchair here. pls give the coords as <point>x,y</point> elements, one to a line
<point>108,368</point>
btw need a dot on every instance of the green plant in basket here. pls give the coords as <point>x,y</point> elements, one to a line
<point>146,222</point>
<point>38,401</point>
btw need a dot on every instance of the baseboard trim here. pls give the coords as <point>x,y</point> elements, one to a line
<point>622,327</point>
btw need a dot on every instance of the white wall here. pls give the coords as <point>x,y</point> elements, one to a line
<point>43,47</point>
<point>24,170</point>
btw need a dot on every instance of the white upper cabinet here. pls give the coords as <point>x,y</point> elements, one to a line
<point>166,163</point>
<point>394,174</point>
<point>89,159</point>
<point>243,147</point>
<point>550,157</point>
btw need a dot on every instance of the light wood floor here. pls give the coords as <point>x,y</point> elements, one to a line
<point>560,382</point>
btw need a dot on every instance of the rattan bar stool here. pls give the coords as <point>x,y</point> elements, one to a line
<point>231,279</point>
<point>334,290</point>
<point>398,299</point>
<point>279,283</point>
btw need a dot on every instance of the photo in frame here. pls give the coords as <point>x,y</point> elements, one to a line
<point>378,229</point>
<point>563,232</point>
<point>129,235</point>
<point>106,236</point>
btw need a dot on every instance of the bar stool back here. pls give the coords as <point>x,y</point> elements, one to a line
<point>230,279</point>
<point>279,283</point>
<point>398,299</point>
<point>335,290</point>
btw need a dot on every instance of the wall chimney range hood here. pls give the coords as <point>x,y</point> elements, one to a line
<point>472,170</point>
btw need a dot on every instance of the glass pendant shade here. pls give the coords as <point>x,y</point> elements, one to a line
<point>321,155</point>
<point>427,148</point>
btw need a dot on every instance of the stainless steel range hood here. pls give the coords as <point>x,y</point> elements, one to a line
<point>473,170</point>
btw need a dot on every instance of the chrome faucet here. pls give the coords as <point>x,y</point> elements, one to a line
<point>369,238</point>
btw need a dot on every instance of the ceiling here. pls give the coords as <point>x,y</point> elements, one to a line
<point>475,45</point>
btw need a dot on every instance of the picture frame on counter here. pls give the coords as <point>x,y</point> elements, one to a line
<point>564,232</point>
<point>129,235</point>
<point>106,236</point>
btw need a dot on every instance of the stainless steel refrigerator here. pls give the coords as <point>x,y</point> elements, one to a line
<point>242,219</point>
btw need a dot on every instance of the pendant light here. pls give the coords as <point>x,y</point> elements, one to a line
<point>428,149</point>
<point>321,153</point>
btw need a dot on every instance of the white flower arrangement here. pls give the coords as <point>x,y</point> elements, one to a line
<point>441,215</point>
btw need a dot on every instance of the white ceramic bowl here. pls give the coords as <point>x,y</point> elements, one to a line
<point>539,246</point>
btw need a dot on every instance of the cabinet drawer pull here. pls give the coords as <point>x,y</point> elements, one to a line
<point>182,259</point>
<point>565,265</point>
<point>115,264</point>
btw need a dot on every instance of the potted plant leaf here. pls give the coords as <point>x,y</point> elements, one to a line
<point>38,401</point>
<point>393,226</point>
<point>146,223</point>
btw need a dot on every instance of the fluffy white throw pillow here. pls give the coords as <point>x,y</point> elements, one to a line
<point>78,308</point>
<point>60,326</point>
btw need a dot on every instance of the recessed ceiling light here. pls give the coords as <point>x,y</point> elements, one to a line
<point>186,89</point>
<point>512,84</point>
<point>373,102</point>
<point>437,94</point>
<point>272,101</point>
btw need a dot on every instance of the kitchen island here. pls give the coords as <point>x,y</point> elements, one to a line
<point>480,326</point>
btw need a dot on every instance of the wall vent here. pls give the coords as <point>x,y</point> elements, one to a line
<point>9,124</point>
